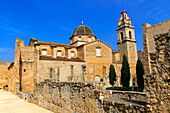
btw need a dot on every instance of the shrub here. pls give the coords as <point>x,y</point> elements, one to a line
<point>125,72</point>
<point>140,72</point>
<point>112,75</point>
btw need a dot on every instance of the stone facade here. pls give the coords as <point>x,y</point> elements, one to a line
<point>4,73</point>
<point>157,84</point>
<point>148,40</point>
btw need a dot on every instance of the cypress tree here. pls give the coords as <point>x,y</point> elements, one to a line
<point>125,72</point>
<point>140,72</point>
<point>112,75</point>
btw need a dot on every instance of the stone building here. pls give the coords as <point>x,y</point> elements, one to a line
<point>148,41</point>
<point>4,73</point>
<point>86,58</point>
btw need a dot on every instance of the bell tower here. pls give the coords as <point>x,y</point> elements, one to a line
<point>126,41</point>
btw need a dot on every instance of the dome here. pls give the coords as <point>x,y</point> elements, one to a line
<point>82,30</point>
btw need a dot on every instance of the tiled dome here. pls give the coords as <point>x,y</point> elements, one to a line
<point>82,30</point>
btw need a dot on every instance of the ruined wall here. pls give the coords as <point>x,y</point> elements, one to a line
<point>157,84</point>
<point>85,97</point>
<point>66,97</point>
<point>60,70</point>
<point>4,73</point>
<point>148,40</point>
<point>11,78</point>
<point>24,66</point>
<point>141,56</point>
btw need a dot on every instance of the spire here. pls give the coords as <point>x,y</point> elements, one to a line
<point>82,22</point>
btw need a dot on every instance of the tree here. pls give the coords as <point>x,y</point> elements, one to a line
<point>112,75</point>
<point>140,72</point>
<point>125,72</point>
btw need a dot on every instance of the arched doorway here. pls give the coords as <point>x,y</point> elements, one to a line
<point>97,78</point>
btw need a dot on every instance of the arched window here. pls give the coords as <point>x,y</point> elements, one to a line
<point>79,38</point>
<point>72,53</point>
<point>89,39</point>
<point>59,53</point>
<point>44,51</point>
<point>121,35</point>
<point>130,35</point>
<point>97,78</point>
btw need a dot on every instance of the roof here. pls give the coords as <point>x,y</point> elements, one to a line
<point>82,30</point>
<point>95,41</point>
<point>113,51</point>
<point>61,59</point>
<point>54,44</point>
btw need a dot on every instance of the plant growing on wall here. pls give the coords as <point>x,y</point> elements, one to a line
<point>125,72</point>
<point>112,75</point>
<point>140,72</point>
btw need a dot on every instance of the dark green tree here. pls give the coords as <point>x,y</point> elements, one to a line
<point>125,72</point>
<point>112,75</point>
<point>140,72</point>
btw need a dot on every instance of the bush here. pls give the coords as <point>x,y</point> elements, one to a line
<point>140,72</point>
<point>112,75</point>
<point>125,72</point>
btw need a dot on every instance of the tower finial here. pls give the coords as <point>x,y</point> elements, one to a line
<point>82,22</point>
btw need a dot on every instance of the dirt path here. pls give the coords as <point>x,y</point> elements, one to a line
<point>10,103</point>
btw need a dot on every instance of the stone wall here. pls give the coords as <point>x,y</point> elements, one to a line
<point>66,97</point>
<point>141,56</point>
<point>4,73</point>
<point>157,84</point>
<point>148,39</point>
<point>60,70</point>
<point>86,97</point>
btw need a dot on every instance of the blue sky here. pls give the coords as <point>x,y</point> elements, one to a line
<point>55,20</point>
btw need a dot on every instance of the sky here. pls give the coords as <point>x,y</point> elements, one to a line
<point>55,20</point>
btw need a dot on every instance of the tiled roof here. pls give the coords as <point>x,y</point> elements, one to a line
<point>115,51</point>
<point>55,44</point>
<point>61,59</point>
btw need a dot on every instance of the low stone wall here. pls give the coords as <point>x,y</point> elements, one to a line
<point>66,97</point>
<point>80,97</point>
<point>122,107</point>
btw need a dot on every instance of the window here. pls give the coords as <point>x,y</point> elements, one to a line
<point>72,53</point>
<point>89,39</point>
<point>59,53</point>
<point>104,70</point>
<point>98,52</point>
<point>24,70</point>
<point>44,51</point>
<point>130,36</point>
<point>79,38</point>
<point>121,35</point>
<point>97,78</point>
